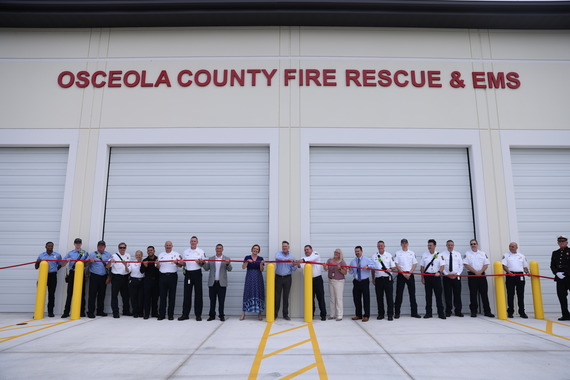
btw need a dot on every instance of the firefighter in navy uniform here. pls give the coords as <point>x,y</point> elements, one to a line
<point>560,266</point>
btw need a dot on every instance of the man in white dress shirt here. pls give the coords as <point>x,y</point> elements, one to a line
<point>193,259</point>
<point>514,263</point>
<point>451,281</point>
<point>318,284</point>
<point>383,280</point>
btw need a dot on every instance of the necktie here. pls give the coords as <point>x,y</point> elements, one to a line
<point>358,269</point>
<point>451,262</point>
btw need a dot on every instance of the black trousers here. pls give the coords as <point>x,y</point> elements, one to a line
<point>478,285</point>
<point>384,286</point>
<point>282,286</point>
<point>452,291</point>
<point>562,288</point>
<point>319,294</point>
<point>433,285</point>
<point>168,282</point>
<point>360,296</point>
<point>193,280</point>
<point>515,283</point>
<point>151,293</point>
<point>51,285</point>
<point>70,286</point>
<point>97,289</point>
<point>400,284</point>
<point>120,284</point>
<point>219,292</point>
<point>136,291</point>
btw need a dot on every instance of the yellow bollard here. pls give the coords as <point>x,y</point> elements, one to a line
<point>41,290</point>
<point>308,272</point>
<point>77,291</point>
<point>500,291</point>
<point>270,294</point>
<point>536,291</point>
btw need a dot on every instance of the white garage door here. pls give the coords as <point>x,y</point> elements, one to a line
<point>360,195</point>
<point>542,195</point>
<point>220,194</point>
<point>32,182</point>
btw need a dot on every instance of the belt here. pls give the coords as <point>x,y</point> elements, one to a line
<point>287,275</point>
<point>137,278</point>
<point>116,274</point>
<point>517,272</point>
<point>167,273</point>
<point>193,270</point>
<point>364,279</point>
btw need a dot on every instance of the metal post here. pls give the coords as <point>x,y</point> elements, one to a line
<point>77,290</point>
<point>536,291</point>
<point>500,291</point>
<point>308,272</point>
<point>270,294</point>
<point>41,290</point>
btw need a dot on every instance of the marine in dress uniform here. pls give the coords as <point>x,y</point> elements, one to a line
<point>560,266</point>
<point>515,263</point>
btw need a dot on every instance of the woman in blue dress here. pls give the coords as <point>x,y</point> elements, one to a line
<point>253,291</point>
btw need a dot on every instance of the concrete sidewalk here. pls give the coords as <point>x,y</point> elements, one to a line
<point>408,348</point>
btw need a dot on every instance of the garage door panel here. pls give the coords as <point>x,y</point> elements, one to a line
<point>542,199</point>
<point>220,194</point>
<point>32,182</point>
<point>360,195</point>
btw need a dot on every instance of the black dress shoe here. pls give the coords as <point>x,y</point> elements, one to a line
<point>128,314</point>
<point>390,318</point>
<point>523,315</point>
<point>66,315</point>
<point>474,315</point>
<point>160,318</point>
<point>490,315</point>
<point>323,318</point>
<point>116,315</point>
<point>198,318</point>
<point>442,316</point>
<point>181,318</point>
<point>210,318</point>
<point>91,315</point>
<point>427,316</point>
<point>82,315</point>
<point>380,317</point>
<point>287,318</point>
<point>459,315</point>
<point>102,314</point>
<point>222,319</point>
<point>171,317</point>
<point>510,315</point>
<point>154,315</point>
<point>397,316</point>
<point>448,314</point>
<point>135,315</point>
<point>145,317</point>
<point>564,318</point>
<point>416,316</point>
<point>51,315</point>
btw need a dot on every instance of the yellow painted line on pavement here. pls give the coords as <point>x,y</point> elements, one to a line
<point>46,326</point>
<point>544,331</point>
<point>284,331</point>
<point>285,349</point>
<point>319,363</point>
<point>297,373</point>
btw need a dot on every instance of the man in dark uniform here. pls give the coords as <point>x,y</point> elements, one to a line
<point>150,284</point>
<point>560,266</point>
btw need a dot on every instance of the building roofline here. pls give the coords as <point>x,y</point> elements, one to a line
<point>358,13</point>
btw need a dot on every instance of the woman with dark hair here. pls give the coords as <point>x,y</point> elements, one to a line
<point>253,291</point>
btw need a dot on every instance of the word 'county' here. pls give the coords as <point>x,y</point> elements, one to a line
<point>185,78</point>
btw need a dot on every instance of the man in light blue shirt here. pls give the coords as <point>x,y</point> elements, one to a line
<point>71,258</point>
<point>97,280</point>
<point>54,263</point>
<point>360,270</point>
<point>283,278</point>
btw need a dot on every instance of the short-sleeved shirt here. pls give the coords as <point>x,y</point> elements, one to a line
<point>76,255</point>
<point>476,260</point>
<point>118,267</point>
<point>385,258</point>
<point>168,267</point>
<point>334,271</point>
<point>98,267</point>
<point>437,262</point>
<point>52,265</point>
<point>406,260</point>
<point>515,262</point>
<point>192,255</point>
<point>457,262</point>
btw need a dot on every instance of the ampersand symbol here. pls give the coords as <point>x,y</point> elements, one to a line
<point>456,81</point>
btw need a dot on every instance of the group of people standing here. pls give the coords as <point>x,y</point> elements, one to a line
<point>149,285</point>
